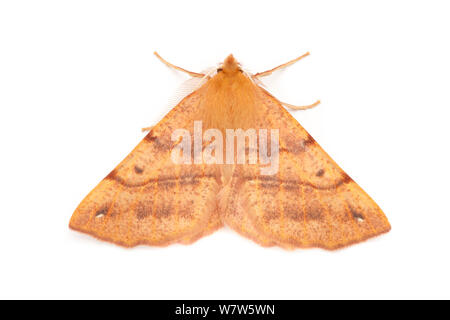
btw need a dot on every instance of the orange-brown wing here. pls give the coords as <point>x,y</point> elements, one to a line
<point>147,199</point>
<point>310,202</point>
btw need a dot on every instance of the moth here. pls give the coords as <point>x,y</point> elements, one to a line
<point>179,184</point>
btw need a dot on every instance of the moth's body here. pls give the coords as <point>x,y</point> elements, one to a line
<point>309,202</point>
<point>229,99</point>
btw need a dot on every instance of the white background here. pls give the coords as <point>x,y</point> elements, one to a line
<point>78,80</point>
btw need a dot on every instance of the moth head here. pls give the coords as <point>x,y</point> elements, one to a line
<point>230,66</point>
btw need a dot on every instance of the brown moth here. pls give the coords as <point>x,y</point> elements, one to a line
<point>151,198</point>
